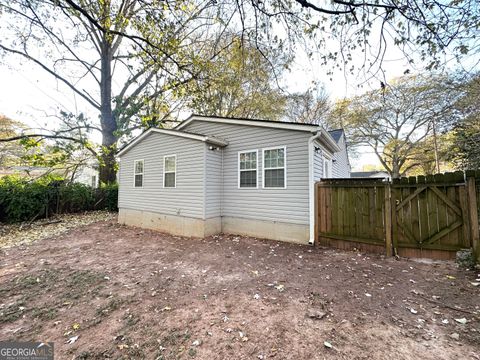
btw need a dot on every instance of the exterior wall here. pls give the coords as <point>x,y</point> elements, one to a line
<point>207,199</point>
<point>85,176</point>
<point>290,205</point>
<point>295,233</point>
<point>341,166</point>
<point>340,163</point>
<point>172,224</point>
<point>318,162</point>
<point>187,199</point>
<point>213,182</point>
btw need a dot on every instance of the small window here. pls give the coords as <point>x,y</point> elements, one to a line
<point>274,171</point>
<point>138,173</point>
<point>94,181</point>
<point>247,169</point>
<point>170,171</point>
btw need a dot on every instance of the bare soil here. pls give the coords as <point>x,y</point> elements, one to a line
<point>129,293</point>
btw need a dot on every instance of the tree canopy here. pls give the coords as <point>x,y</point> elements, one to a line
<point>130,61</point>
<point>400,122</point>
<point>240,82</point>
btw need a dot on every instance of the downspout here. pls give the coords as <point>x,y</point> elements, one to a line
<point>311,186</point>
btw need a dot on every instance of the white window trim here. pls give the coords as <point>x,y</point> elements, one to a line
<point>239,170</point>
<point>135,173</point>
<point>284,147</point>
<point>168,172</point>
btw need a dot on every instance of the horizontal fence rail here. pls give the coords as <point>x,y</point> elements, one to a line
<point>424,216</point>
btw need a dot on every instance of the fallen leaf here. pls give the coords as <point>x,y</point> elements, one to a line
<point>72,340</point>
<point>455,336</point>
<point>327,344</point>
<point>318,315</point>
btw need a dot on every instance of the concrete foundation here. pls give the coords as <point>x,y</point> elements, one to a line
<point>184,226</point>
<point>274,230</point>
<point>176,225</point>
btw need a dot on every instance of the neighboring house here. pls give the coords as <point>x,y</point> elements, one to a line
<point>87,174</point>
<point>370,174</point>
<point>211,175</point>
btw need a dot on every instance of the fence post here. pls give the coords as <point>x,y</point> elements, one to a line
<point>473,214</point>
<point>388,220</point>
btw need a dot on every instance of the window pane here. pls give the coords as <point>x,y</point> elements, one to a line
<point>139,180</point>
<point>281,157</point>
<point>248,161</point>
<point>248,178</point>
<point>169,180</point>
<point>275,178</point>
<point>170,163</point>
<point>138,167</point>
<point>274,158</point>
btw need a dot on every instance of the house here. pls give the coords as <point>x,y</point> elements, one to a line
<point>241,176</point>
<point>87,174</point>
<point>370,174</point>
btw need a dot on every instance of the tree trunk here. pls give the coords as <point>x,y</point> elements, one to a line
<point>108,122</point>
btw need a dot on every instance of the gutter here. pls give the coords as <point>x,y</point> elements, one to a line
<point>311,185</point>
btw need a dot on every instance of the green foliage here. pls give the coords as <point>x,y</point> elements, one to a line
<point>465,151</point>
<point>25,200</point>
<point>239,82</point>
<point>75,197</point>
<point>398,121</point>
<point>21,200</point>
<point>109,192</point>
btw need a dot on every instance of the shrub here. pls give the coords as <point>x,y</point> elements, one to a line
<point>25,200</point>
<point>110,192</point>
<point>22,200</point>
<point>75,197</point>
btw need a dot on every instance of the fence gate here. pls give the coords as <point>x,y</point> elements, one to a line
<point>424,216</point>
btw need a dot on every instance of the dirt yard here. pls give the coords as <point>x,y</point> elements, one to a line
<point>108,291</point>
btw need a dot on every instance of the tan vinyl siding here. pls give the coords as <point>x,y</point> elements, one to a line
<point>289,205</point>
<point>187,199</point>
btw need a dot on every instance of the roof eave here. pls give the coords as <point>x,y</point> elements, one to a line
<point>258,123</point>
<point>329,141</point>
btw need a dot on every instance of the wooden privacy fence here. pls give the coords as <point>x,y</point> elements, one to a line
<point>424,216</point>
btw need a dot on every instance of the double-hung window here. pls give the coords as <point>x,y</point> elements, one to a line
<point>138,169</point>
<point>247,169</point>
<point>170,171</point>
<point>274,167</point>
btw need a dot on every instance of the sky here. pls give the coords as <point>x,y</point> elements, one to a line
<point>29,94</point>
